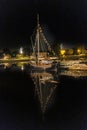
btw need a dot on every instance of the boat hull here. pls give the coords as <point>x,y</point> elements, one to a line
<point>50,67</point>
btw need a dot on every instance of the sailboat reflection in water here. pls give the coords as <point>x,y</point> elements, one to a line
<point>45,86</point>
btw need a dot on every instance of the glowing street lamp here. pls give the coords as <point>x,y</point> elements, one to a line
<point>79,51</point>
<point>62,52</point>
<point>21,50</point>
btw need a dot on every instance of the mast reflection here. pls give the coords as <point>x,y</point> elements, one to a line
<point>45,86</point>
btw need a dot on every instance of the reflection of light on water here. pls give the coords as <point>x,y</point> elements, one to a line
<point>22,67</point>
<point>74,73</point>
<point>45,86</point>
<point>13,65</point>
<point>45,83</point>
<point>6,65</point>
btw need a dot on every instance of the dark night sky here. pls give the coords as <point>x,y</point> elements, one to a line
<point>66,20</point>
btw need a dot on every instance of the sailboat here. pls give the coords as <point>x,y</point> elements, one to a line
<point>40,59</point>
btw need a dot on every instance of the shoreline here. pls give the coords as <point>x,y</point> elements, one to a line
<point>13,60</point>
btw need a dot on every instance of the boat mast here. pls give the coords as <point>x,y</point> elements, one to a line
<point>38,37</point>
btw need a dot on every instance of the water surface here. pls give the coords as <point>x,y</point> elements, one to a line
<point>42,101</point>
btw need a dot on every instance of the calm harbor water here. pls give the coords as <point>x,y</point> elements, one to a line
<point>42,101</point>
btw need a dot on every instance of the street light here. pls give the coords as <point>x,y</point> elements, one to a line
<point>21,50</point>
<point>62,52</point>
<point>79,51</point>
